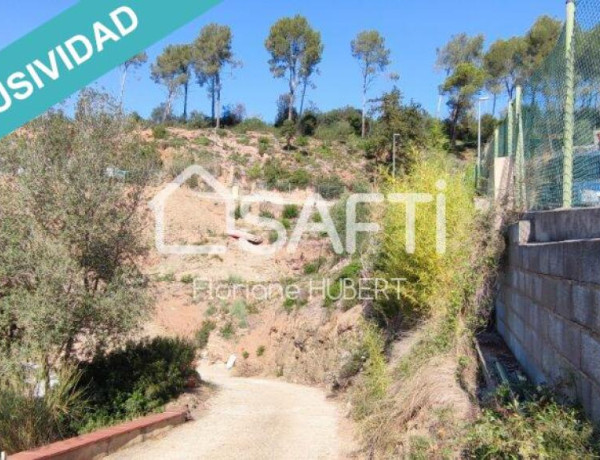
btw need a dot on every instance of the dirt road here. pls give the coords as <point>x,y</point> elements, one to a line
<point>253,419</point>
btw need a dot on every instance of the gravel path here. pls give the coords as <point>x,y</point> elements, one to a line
<point>252,419</point>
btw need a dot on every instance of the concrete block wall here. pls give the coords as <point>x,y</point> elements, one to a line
<point>548,306</point>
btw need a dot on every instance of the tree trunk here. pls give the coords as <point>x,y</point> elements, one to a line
<point>292,100</point>
<point>439,106</point>
<point>218,94</point>
<point>302,99</point>
<point>185,100</point>
<point>123,80</point>
<point>167,112</point>
<point>510,89</point>
<point>494,105</point>
<point>291,106</point>
<point>212,107</point>
<point>164,117</point>
<point>455,118</point>
<point>364,105</point>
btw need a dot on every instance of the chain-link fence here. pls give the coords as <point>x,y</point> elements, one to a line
<point>551,134</point>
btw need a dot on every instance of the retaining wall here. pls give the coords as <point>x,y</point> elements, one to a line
<point>548,307</point>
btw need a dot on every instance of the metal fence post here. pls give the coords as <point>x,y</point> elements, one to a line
<point>508,148</point>
<point>569,128</point>
<point>496,142</point>
<point>520,153</point>
<point>509,130</point>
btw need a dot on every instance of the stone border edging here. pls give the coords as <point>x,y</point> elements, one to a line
<point>108,440</point>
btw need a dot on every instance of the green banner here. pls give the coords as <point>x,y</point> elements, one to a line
<point>79,46</point>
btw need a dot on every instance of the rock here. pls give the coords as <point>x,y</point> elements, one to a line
<point>231,362</point>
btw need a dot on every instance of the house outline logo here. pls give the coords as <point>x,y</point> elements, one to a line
<point>158,205</point>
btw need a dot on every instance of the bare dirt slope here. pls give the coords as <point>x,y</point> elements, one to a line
<point>254,419</point>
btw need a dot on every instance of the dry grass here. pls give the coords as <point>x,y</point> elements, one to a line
<point>431,399</point>
<point>422,411</point>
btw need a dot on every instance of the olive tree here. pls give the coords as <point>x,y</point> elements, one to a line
<point>70,231</point>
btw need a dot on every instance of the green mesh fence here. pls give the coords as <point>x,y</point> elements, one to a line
<point>544,128</point>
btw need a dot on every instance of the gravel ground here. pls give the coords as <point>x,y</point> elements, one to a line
<point>252,419</point>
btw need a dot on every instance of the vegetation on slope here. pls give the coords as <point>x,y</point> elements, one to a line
<point>418,394</point>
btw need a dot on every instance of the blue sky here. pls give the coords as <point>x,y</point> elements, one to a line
<point>413,30</point>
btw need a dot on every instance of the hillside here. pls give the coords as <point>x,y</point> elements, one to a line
<point>301,339</point>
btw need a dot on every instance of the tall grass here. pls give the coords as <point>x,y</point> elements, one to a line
<point>28,420</point>
<point>434,305</point>
<point>374,382</point>
<point>431,279</point>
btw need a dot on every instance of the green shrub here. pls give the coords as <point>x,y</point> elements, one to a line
<point>245,354</point>
<point>308,124</point>
<point>203,141</point>
<point>330,187</point>
<point>255,171</point>
<point>187,279</point>
<point>252,124</point>
<point>235,279</point>
<point>533,428</point>
<point>192,182</point>
<point>260,351</point>
<point>239,311</point>
<point>279,177</point>
<point>325,151</point>
<point>334,291</point>
<point>159,132</point>
<point>302,141</point>
<point>288,132</point>
<point>274,171</point>
<point>337,117</point>
<point>166,278</point>
<point>266,214</point>
<point>290,211</point>
<point>238,158</point>
<point>203,334</point>
<point>227,331</point>
<point>263,145</point>
<point>136,380</point>
<point>339,131</point>
<point>300,178</point>
<point>289,304</point>
<point>273,236</point>
<point>313,267</point>
<point>360,187</point>
<point>286,223</point>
